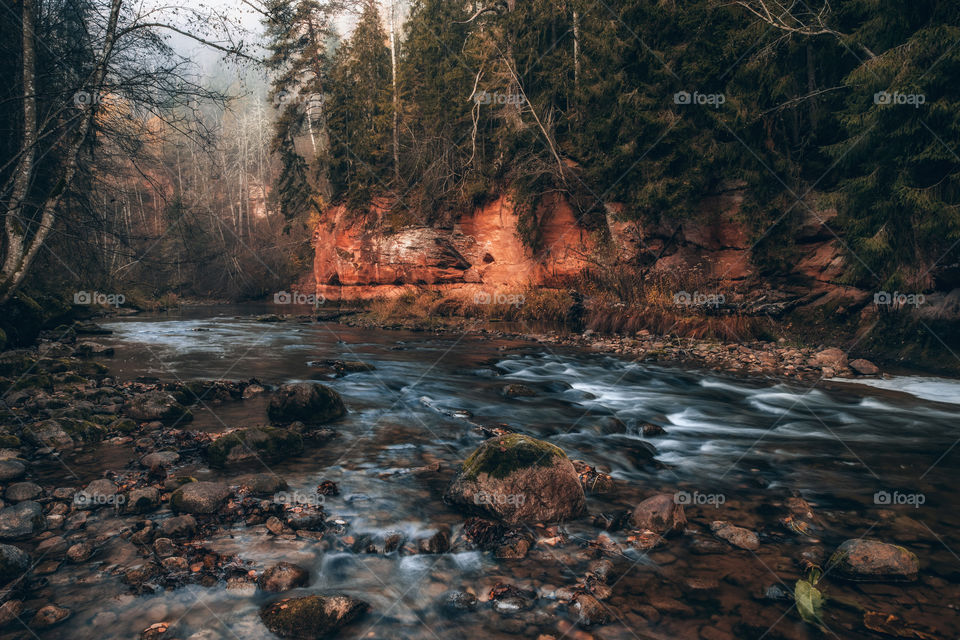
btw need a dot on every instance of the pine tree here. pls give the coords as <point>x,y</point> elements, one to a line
<point>299,32</point>
<point>360,112</point>
<point>899,199</point>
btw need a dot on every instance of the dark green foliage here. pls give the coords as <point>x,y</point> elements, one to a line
<point>655,105</point>
<point>360,112</point>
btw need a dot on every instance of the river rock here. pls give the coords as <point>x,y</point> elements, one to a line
<point>160,459</point>
<point>20,491</point>
<point>178,526</point>
<point>99,493</point>
<point>48,433</point>
<point>307,402</point>
<point>737,536</point>
<point>661,514</point>
<point>10,611</point>
<point>80,552</point>
<point>255,444</point>
<point>650,430</point>
<point>872,560</point>
<point>49,615</point>
<point>11,470</point>
<point>311,617</point>
<point>54,547</point>
<point>864,367</point>
<point>20,521</point>
<point>518,479</point>
<point>283,576</point>
<point>590,611</point>
<point>831,358</point>
<point>142,500</point>
<point>156,405</point>
<point>13,562</point>
<point>517,391</point>
<point>200,497</point>
<point>263,484</point>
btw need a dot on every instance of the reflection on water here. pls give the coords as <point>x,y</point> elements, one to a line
<point>750,440</point>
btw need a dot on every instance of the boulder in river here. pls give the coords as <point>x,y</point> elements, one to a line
<point>311,617</point>
<point>156,405</point>
<point>872,560</point>
<point>254,444</point>
<point>20,491</point>
<point>864,367</point>
<point>13,562</point>
<point>160,459</point>
<point>308,402</point>
<point>737,536</point>
<point>200,497</point>
<point>48,433</point>
<point>11,469</point>
<point>519,479</point>
<point>662,514</point>
<point>283,576</point>
<point>20,521</point>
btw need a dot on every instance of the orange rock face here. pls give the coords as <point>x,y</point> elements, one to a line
<point>355,258</point>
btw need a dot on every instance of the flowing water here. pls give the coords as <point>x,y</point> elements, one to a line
<point>875,462</point>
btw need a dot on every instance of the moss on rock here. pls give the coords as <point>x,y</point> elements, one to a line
<point>501,456</point>
<point>266,443</point>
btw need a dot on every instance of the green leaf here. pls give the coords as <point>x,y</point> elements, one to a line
<point>809,601</point>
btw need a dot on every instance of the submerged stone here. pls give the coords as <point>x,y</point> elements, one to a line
<point>311,617</point>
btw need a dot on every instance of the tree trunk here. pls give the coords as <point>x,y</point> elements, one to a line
<point>396,95</point>
<point>22,250</point>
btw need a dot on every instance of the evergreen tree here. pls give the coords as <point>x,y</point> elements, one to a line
<point>299,32</point>
<point>360,111</point>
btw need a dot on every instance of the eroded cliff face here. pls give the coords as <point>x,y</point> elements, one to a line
<point>356,258</point>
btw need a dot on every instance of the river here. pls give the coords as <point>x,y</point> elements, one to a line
<point>874,462</point>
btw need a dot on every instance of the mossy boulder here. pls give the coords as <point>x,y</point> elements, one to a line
<point>311,617</point>
<point>9,441</point>
<point>307,402</point>
<point>518,479</point>
<point>48,433</point>
<point>122,425</point>
<point>85,430</point>
<point>873,561</point>
<point>16,363</point>
<point>265,444</point>
<point>156,405</point>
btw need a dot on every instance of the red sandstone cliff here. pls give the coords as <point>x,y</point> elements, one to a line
<point>356,258</point>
